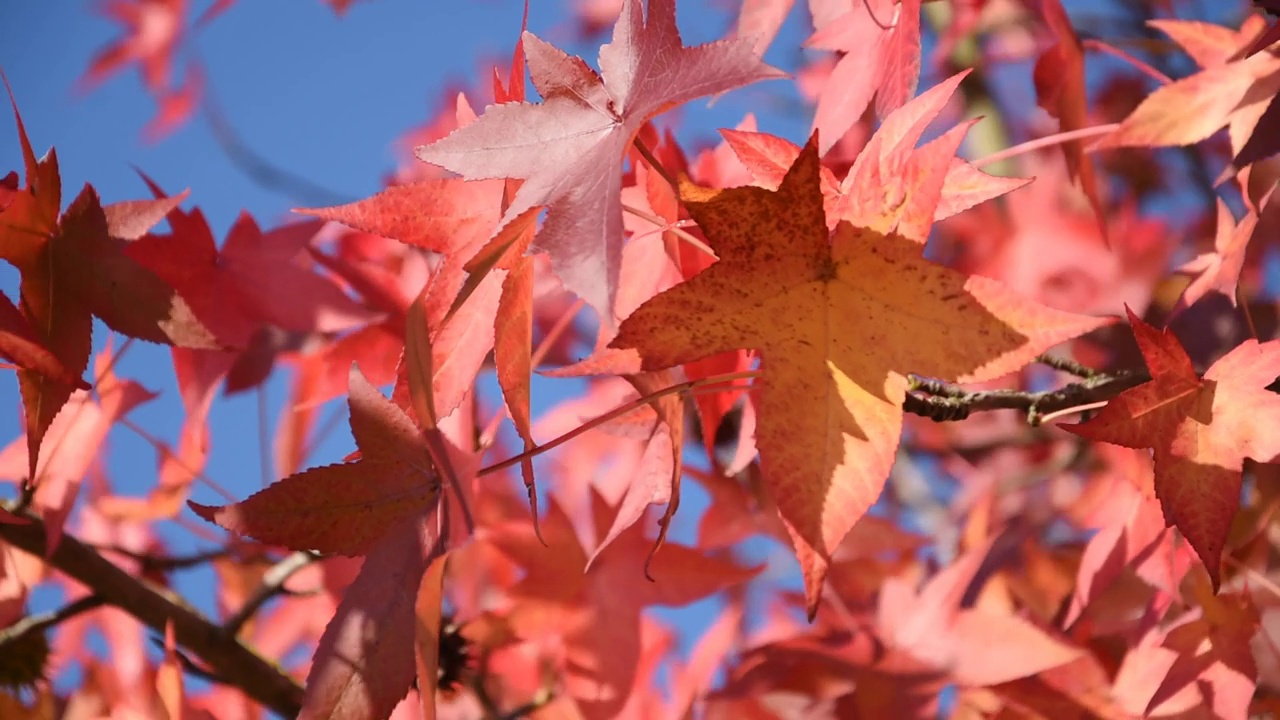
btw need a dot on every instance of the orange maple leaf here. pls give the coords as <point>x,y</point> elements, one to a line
<point>840,321</point>
<point>598,608</point>
<point>1231,92</point>
<point>1201,430</point>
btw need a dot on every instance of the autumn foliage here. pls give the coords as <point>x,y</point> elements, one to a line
<point>975,386</point>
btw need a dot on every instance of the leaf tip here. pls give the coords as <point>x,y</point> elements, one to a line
<point>209,513</point>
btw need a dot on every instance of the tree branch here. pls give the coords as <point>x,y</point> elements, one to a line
<point>154,606</point>
<point>944,402</point>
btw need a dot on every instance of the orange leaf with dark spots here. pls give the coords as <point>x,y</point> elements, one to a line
<point>840,321</point>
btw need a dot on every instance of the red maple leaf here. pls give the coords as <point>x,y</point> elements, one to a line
<point>1201,430</point>
<point>890,165</point>
<point>1060,90</point>
<point>255,278</point>
<point>381,505</point>
<point>1229,91</point>
<point>75,267</point>
<point>569,149</point>
<point>345,508</point>
<point>20,344</point>
<point>976,646</point>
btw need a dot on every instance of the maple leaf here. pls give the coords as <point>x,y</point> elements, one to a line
<point>975,646</point>
<point>448,216</point>
<point>255,278</point>
<point>1227,92</point>
<point>1220,270</point>
<point>880,40</point>
<point>1200,429</point>
<point>1060,90</point>
<point>1137,539</point>
<point>442,215</point>
<point>760,21</point>
<point>889,166</point>
<point>840,322</point>
<point>365,661</point>
<point>154,27</point>
<point>74,267</point>
<point>74,439</point>
<point>345,508</point>
<point>176,106</point>
<point>1202,661</point>
<point>599,609</point>
<point>379,506</point>
<point>569,149</point>
<point>19,343</point>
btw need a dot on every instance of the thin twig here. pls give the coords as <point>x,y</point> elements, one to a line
<point>264,438</point>
<point>626,409</point>
<point>272,585</point>
<point>1067,366</point>
<point>897,10</point>
<point>44,621</point>
<point>163,563</point>
<point>163,447</point>
<point>1044,142</point>
<point>535,359</point>
<point>1144,68</point>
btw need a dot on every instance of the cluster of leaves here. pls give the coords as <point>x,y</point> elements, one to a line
<point>774,300</point>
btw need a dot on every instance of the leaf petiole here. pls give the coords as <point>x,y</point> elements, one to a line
<point>620,411</point>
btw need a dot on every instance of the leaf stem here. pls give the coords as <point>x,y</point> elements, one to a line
<point>672,228</point>
<point>1047,141</point>
<point>616,413</point>
<point>648,156</point>
<point>161,446</point>
<point>1144,68</point>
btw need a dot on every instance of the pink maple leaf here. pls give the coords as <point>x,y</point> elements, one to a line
<point>880,40</point>
<point>569,148</point>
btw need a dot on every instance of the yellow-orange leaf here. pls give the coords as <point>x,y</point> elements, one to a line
<point>840,319</point>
